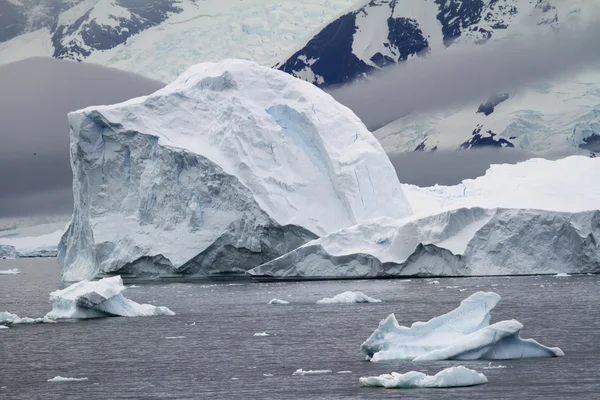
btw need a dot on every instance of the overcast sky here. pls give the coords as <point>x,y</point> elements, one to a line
<point>35,97</point>
<point>470,73</point>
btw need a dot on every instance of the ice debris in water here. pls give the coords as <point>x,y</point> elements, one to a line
<point>462,334</point>
<point>344,372</point>
<point>7,319</point>
<point>103,298</point>
<point>447,378</point>
<point>490,366</point>
<point>261,334</point>
<point>3,327</point>
<point>63,379</point>
<point>277,301</point>
<point>349,297</point>
<point>300,371</point>
<point>13,271</point>
<point>562,275</point>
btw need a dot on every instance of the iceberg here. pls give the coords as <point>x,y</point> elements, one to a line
<point>447,378</point>
<point>59,378</point>
<point>95,299</point>
<point>348,298</point>
<point>8,319</point>
<point>7,251</point>
<point>228,167</point>
<point>462,334</point>
<point>278,301</point>
<point>460,242</point>
<point>13,271</point>
<point>302,372</point>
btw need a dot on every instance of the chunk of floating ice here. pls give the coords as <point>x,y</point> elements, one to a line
<point>344,372</point>
<point>3,327</point>
<point>462,334</point>
<point>490,366</point>
<point>175,337</point>
<point>562,275</point>
<point>433,282</point>
<point>103,298</point>
<point>300,371</point>
<point>63,379</point>
<point>261,334</point>
<point>447,378</point>
<point>277,301</point>
<point>348,298</point>
<point>267,375</point>
<point>13,271</point>
<point>7,319</point>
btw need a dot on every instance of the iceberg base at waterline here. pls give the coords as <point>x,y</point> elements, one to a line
<point>103,298</point>
<point>447,378</point>
<point>462,334</point>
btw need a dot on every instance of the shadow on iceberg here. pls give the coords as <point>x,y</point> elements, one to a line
<point>98,299</point>
<point>462,334</point>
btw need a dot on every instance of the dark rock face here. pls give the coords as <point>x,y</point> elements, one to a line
<point>488,107</point>
<point>457,15</point>
<point>329,56</point>
<point>486,139</point>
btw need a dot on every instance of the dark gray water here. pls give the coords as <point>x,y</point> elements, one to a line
<point>129,358</point>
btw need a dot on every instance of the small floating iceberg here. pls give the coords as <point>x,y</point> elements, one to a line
<point>261,334</point>
<point>349,298</point>
<point>447,378</point>
<point>462,334</point>
<point>300,371</point>
<point>8,319</point>
<point>63,379</point>
<point>562,275</point>
<point>103,298</point>
<point>278,301</point>
<point>13,271</point>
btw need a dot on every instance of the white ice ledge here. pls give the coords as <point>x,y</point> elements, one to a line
<point>447,378</point>
<point>462,334</point>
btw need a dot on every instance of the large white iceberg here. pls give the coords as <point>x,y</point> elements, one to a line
<point>103,298</point>
<point>226,168</point>
<point>536,217</point>
<point>462,334</point>
<point>447,378</point>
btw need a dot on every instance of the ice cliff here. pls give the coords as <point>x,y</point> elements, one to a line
<point>462,334</point>
<point>536,217</point>
<point>228,167</point>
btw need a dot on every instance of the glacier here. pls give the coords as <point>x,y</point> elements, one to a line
<point>462,334</point>
<point>535,217</point>
<point>450,377</point>
<point>96,299</point>
<point>39,240</point>
<point>226,168</point>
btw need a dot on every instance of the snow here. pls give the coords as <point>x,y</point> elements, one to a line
<point>63,379</point>
<point>276,163</point>
<point>103,298</point>
<point>302,372</point>
<point>8,319</point>
<point>277,301</point>
<point>535,217</point>
<point>447,378</point>
<point>349,298</point>
<point>13,271</point>
<point>462,334</point>
<point>261,334</point>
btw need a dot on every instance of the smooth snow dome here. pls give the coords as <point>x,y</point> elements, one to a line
<point>8,319</point>
<point>97,299</point>
<point>450,377</point>
<point>278,301</point>
<point>230,154</point>
<point>348,298</point>
<point>462,334</point>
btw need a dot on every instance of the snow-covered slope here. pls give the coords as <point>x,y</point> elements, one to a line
<point>553,226</point>
<point>464,333</point>
<point>159,39</point>
<point>30,240</point>
<point>228,167</point>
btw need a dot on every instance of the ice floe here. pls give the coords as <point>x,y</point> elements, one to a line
<point>447,378</point>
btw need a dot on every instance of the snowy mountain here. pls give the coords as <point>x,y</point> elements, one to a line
<point>159,39</point>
